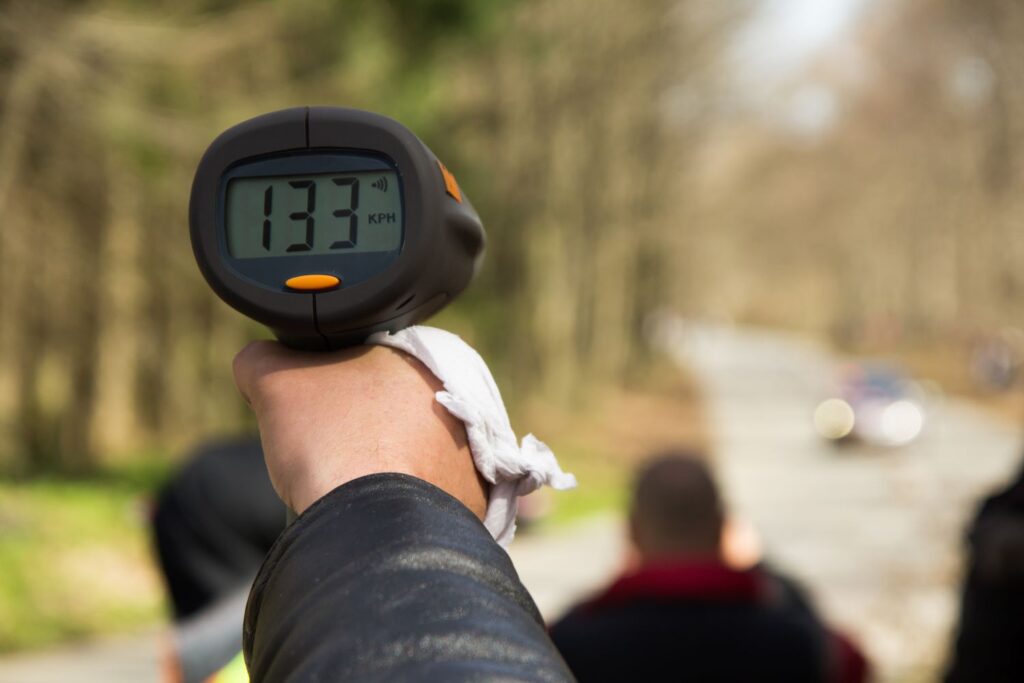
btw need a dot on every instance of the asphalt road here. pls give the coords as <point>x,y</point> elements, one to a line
<point>131,659</point>
<point>875,535</point>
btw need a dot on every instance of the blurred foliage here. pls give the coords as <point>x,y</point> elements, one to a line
<point>619,159</point>
<point>876,197</point>
<point>549,113</point>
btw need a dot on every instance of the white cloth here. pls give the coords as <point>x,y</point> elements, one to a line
<point>472,396</point>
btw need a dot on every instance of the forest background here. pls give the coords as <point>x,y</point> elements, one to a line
<point>628,159</point>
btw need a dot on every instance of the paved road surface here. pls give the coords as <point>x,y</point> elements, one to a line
<point>875,535</point>
<point>118,660</point>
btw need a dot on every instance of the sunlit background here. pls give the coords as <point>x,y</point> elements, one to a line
<point>784,231</point>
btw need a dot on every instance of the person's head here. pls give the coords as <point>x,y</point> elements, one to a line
<point>676,510</point>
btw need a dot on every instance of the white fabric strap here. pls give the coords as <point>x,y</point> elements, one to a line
<point>470,394</point>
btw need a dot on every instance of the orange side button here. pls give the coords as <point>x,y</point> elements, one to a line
<point>450,185</point>
<point>312,283</point>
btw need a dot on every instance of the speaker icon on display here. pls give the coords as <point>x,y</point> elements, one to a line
<point>380,184</point>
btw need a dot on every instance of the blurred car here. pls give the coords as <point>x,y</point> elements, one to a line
<point>872,403</point>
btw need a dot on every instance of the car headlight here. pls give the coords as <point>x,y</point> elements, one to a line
<point>902,422</point>
<point>834,419</point>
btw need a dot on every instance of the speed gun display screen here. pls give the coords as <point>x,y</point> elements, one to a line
<point>330,224</point>
<point>313,214</point>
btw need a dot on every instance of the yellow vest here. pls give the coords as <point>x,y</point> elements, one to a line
<point>234,672</point>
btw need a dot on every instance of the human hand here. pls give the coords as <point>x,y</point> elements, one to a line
<point>328,418</point>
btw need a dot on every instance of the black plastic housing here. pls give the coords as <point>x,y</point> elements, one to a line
<point>443,239</point>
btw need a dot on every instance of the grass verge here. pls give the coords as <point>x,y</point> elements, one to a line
<point>75,558</point>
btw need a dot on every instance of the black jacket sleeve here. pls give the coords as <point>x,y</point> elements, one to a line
<point>388,578</point>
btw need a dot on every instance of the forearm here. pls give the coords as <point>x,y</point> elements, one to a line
<point>389,578</point>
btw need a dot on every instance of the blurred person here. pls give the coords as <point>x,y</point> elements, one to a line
<point>213,523</point>
<point>988,643</point>
<point>685,613</point>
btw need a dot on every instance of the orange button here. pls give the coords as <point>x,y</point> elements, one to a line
<point>312,283</point>
<point>449,183</point>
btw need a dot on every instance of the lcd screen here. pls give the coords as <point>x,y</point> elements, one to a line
<point>293,215</point>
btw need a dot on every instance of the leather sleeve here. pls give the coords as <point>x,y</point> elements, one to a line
<point>388,578</point>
